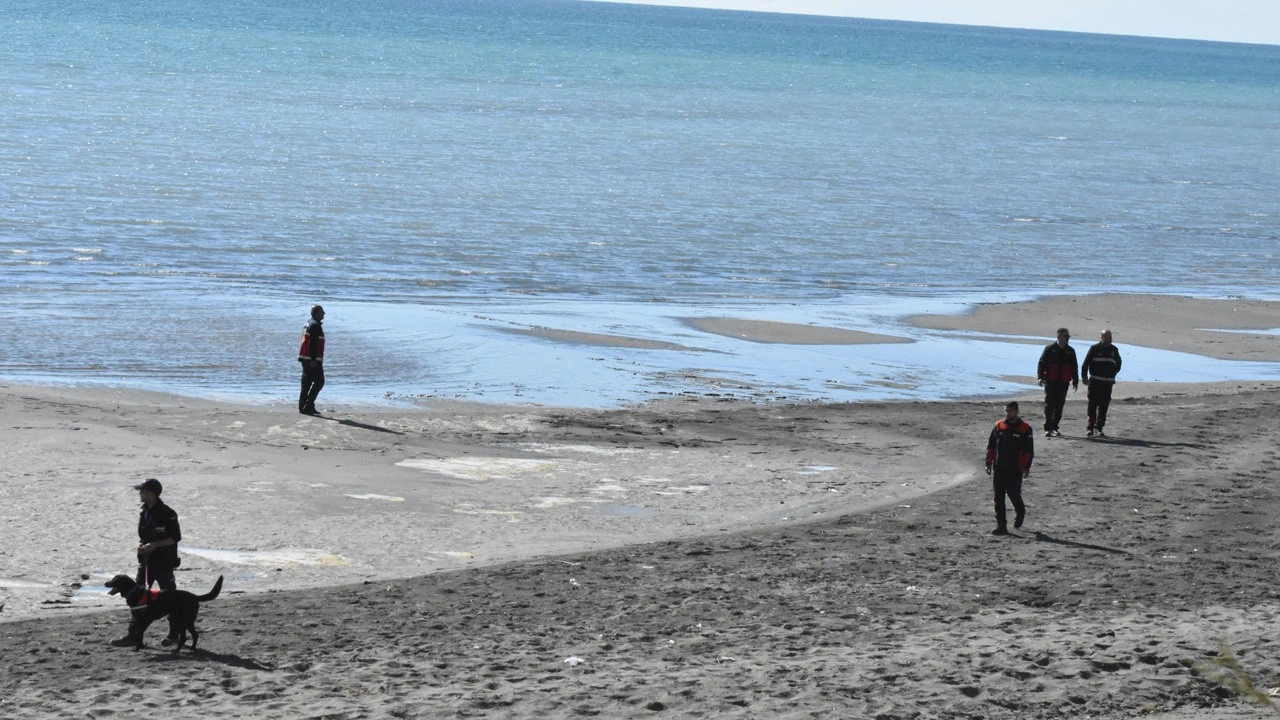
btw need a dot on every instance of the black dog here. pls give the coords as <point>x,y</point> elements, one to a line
<point>147,606</point>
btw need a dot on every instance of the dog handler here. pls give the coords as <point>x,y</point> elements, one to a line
<point>158,536</point>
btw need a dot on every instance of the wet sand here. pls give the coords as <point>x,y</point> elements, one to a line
<point>767,331</point>
<point>1227,329</point>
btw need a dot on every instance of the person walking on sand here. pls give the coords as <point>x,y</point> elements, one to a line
<point>158,536</point>
<point>1010,450</point>
<point>311,356</point>
<point>1098,371</point>
<point>1057,370</point>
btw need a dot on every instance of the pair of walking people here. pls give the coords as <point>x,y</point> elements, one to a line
<point>1057,371</point>
<point>1011,445</point>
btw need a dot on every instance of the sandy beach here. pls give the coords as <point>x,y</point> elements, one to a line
<point>692,558</point>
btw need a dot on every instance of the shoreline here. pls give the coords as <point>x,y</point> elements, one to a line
<point>627,356</point>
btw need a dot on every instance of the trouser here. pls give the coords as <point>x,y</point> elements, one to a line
<point>312,381</point>
<point>155,570</point>
<point>1099,400</point>
<point>1055,397</point>
<point>1007,481</point>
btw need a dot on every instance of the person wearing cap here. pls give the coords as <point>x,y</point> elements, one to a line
<point>311,356</point>
<point>1057,370</point>
<point>158,536</point>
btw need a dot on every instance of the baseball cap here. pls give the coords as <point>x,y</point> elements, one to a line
<point>150,485</point>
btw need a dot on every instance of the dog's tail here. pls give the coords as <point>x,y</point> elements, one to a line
<point>217,588</point>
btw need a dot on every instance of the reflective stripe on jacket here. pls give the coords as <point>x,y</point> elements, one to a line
<point>1101,363</point>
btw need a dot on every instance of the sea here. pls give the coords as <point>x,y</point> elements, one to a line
<point>487,195</point>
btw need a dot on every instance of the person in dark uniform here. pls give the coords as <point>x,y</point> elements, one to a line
<point>158,536</point>
<point>1057,369</point>
<point>311,356</point>
<point>1010,450</point>
<point>1098,371</point>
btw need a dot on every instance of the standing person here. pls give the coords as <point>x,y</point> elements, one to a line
<point>158,536</point>
<point>1099,369</point>
<point>1057,370</point>
<point>1010,450</point>
<point>311,356</point>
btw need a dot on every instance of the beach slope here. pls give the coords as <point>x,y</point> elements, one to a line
<point>836,562</point>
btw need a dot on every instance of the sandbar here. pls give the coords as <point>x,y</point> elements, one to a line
<point>599,339</point>
<point>1227,329</point>
<point>768,331</point>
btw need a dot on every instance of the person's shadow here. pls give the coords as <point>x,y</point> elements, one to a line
<point>354,424</point>
<point>1045,537</point>
<point>1135,442</point>
<point>201,655</point>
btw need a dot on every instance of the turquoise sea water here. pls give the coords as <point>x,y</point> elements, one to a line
<point>182,180</point>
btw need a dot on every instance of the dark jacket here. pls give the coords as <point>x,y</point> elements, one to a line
<point>312,347</point>
<point>1058,365</point>
<point>158,523</point>
<point>1101,363</point>
<point>1011,445</point>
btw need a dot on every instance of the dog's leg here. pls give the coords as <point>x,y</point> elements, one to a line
<point>175,630</point>
<point>137,628</point>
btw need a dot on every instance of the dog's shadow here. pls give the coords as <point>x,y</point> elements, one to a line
<point>201,655</point>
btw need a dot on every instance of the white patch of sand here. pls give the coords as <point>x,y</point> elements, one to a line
<point>580,449</point>
<point>14,583</point>
<point>287,557</point>
<point>467,509</point>
<point>481,468</point>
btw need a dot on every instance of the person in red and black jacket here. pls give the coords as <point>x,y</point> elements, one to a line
<point>311,356</point>
<point>1057,370</point>
<point>1010,450</point>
